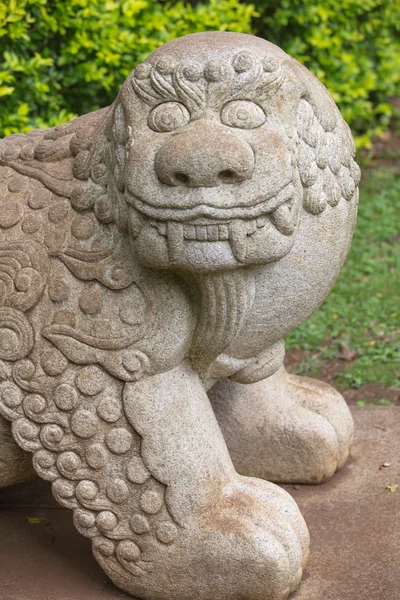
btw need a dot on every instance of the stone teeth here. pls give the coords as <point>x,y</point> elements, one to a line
<point>189,232</point>
<point>175,240</point>
<point>135,222</point>
<point>238,234</point>
<point>161,227</point>
<point>212,233</point>
<point>223,231</point>
<point>209,233</point>
<point>201,233</point>
<point>251,226</point>
<point>283,219</point>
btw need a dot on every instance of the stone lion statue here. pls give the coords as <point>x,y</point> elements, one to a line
<point>153,256</point>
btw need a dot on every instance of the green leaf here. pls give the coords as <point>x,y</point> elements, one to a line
<point>392,488</point>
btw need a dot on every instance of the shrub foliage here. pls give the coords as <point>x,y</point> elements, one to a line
<point>60,58</point>
<point>352,46</point>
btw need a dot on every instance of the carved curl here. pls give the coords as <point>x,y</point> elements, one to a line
<point>325,161</point>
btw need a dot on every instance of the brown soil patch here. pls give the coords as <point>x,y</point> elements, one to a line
<point>328,369</point>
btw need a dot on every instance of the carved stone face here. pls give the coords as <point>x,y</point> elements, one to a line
<point>209,172</point>
<point>215,145</point>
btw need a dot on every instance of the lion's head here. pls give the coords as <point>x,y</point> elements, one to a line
<point>218,141</point>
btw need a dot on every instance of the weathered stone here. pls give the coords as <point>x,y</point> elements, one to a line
<point>284,428</point>
<point>354,522</point>
<point>149,250</point>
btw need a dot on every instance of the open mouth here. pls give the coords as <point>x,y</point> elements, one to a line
<point>233,225</point>
<point>213,231</point>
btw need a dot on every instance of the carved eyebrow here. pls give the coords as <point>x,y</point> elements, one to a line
<point>175,88</point>
<point>198,86</point>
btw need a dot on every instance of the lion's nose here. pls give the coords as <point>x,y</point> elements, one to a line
<point>204,155</point>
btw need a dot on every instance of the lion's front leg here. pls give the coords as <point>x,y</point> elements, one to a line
<point>285,428</point>
<point>223,536</point>
<point>146,472</point>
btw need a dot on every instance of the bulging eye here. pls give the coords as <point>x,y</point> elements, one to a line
<point>243,114</point>
<point>168,116</point>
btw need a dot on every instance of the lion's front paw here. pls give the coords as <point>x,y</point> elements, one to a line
<point>285,428</point>
<point>248,540</point>
<point>282,529</point>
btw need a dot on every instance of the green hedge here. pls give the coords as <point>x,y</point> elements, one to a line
<point>61,58</point>
<point>352,46</point>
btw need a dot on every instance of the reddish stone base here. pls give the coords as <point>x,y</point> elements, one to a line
<point>354,521</point>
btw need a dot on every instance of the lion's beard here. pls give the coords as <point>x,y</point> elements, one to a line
<point>225,299</point>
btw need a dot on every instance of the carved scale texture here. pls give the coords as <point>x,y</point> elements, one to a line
<point>326,162</point>
<point>63,364</point>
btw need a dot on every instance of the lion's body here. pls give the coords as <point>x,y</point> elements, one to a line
<point>108,303</point>
<point>83,291</point>
<point>77,256</point>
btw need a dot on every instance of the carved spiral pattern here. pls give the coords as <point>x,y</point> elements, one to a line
<point>16,334</point>
<point>188,81</point>
<point>81,442</point>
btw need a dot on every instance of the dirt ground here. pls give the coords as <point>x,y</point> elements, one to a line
<point>369,392</point>
<point>354,522</point>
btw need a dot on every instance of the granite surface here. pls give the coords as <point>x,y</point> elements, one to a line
<point>354,522</point>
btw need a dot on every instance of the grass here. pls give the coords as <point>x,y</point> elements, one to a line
<point>382,402</point>
<point>363,308</point>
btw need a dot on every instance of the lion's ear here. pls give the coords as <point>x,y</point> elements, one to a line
<point>325,160</point>
<point>113,149</point>
<point>102,168</point>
